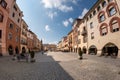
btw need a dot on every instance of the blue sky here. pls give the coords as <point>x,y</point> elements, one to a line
<point>50,20</point>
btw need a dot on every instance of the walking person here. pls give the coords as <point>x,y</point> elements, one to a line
<point>80,52</point>
<point>32,55</point>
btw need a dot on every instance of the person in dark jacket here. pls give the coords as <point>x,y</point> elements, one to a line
<point>80,54</point>
<point>32,55</point>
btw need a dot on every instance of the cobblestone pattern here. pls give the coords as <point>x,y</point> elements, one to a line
<point>61,66</point>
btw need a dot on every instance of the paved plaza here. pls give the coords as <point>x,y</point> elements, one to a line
<point>60,66</point>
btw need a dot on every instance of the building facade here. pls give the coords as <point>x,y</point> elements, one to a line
<point>23,37</point>
<point>70,41</point>
<point>82,36</point>
<point>75,34</point>
<point>30,38</point>
<point>4,14</point>
<point>103,24</point>
<point>13,29</point>
<point>99,30</point>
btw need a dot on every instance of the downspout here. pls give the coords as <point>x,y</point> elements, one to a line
<point>117,7</point>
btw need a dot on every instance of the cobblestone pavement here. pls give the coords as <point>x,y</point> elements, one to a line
<point>60,66</point>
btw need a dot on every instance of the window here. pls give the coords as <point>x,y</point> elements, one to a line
<point>0,34</point>
<point>17,39</point>
<point>103,30</point>
<point>87,18</point>
<point>91,25</point>
<point>102,18</point>
<point>115,26</point>
<point>1,17</point>
<point>17,30</point>
<point>19,14</point>
<point>15,8</point>
<point>109,0</point>
<point>11,26</point>
<point>94,12</point>
<point>104,4</point>
<point>84,39</point>
<point>112,11</point>
<point>10,36</point>
<point>79,41</point>
<point>98,8</point>
<point>13,15</point>
<point>90,15</point>
<point>78,32</point>
<point>92,35</point>
<point>3,4</point>
<point>18,20</point>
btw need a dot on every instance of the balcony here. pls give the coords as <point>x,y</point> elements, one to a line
<point>84,32</point>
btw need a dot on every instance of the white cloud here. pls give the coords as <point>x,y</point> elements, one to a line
<point>54,42</point>
<point>52,14</point>
<point>65,8</point>
<point>83,13</point>
<point>57,4</point>
<point>47,28</point>
<point>66,23</point>
<point>70,20</point>
<point>74,1</point>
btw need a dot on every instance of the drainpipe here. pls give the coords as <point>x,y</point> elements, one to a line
<point>87,35</point>
<point>117,7</point>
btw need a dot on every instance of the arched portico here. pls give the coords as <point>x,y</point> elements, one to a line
<point>92,50</point>
<point>110,49</point>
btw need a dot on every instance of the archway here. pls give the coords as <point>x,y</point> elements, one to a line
<point>110,49</point>
<point>93,50</point>
<point>23,50</point>
<point>10,50</point>
<point>84,50</point>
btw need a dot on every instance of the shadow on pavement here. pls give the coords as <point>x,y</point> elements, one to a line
<point>45,68</point>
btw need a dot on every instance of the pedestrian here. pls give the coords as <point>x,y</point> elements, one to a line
<point>32,55</point>
<point>80,54</point>
<point>42,52</point>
